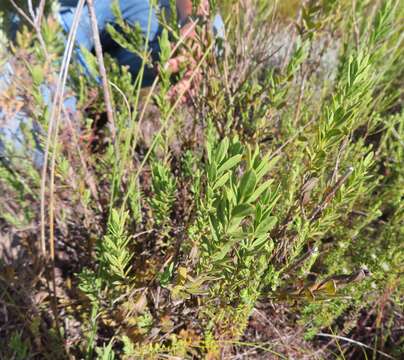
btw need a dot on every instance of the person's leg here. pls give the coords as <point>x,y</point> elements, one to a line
<point>134,63</point>
<point>15,125</point>
<point>141,12</point>
<point>133,11</point>
<point>142,15</point>
<point>19,132</point>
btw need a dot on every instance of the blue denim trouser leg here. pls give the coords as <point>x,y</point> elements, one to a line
<point>134,12</point>
<point>13,143</point>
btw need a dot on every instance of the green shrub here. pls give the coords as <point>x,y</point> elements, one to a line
<point>278,183</point>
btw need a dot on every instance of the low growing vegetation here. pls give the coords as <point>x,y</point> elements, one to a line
<point>261,219</point>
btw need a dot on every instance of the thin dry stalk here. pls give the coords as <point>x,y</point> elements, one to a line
<point>103,73</point>
<point>40,11</point>
<point>300,98</point>
<point>170,113</point>
<point>53,123</point>
<point>155,82</point>
<point>330,195</point>
<point>54,120</point>
<point>89,178</point>
<point>337,337</point>
<point>34,22</point>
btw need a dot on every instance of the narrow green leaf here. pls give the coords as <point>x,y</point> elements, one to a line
<point>222,253</point>
<point>231,195</point>
<point>228,164</point>
<point>258,192</point>
<point>242,210</point>
<point>165,47</point>
<point>209,151</point>
<point>38,75</point>
<point>259,241</point>
<point>212,172</point>
<point>247,185</point>
<point>221,181</point>
<point>222,151</point>
<point>91,61</point>
<point>266,225</point>
<point>221,211</point>
<point>234,224</point>
<point>265,166</point>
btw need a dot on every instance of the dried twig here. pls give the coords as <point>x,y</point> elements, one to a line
<point>89,178</point>
<point>40,11</point>
<point>354,342</point>
<point>34,22</point>
<point>52,137</point>
<point>103,73</point>
<point>53,122</point>
<point>330,195</point>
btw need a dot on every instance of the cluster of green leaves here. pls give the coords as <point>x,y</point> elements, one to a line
<point>238,206</point>
<point>164,188</point>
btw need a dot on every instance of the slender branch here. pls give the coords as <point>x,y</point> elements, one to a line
<point>330,195</point>
<point>154,85</point>
<point>170,113</point>
<point>56,109</point>
<point>89,178</point>
<point>101,65</point>
<point>52,137</point>
<point>40,11</point>
<point>22,13</point>
<point>354,342</point>
<point>33,22</point>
